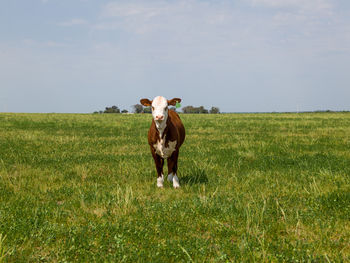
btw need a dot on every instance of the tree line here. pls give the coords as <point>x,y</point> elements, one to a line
<point>113,109</point>
<point>138,108</point>
<point>200,109</point>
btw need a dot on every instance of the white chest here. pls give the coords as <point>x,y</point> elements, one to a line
<point>162,151</point>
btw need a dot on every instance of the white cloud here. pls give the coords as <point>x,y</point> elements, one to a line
<point>197,28</point>
<point>299,4</point>
<point>169,18</point>
<point>74,22</point>
<point>170,31</point>
<point>42,44</point>
<point>311,9</point>
<point>55,44</point>
<point>131,9</point>
<point>134,17</point>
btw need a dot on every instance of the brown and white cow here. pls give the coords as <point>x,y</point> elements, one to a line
<point>165,137</point>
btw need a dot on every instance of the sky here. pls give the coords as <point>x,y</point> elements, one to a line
<point>80,56</point>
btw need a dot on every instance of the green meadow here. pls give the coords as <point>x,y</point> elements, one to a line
<point>254,188</point>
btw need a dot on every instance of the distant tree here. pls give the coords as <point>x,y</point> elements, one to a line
<point>113,109</point>
<point>147,110</point>
<point>124,111</point>
<point>201,109</point>
<point>138,108</point>
<point>187,109</point>
<point>191,109</point>
<point>214,110</point>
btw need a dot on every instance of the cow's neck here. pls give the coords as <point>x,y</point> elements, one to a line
<point>161,127</point>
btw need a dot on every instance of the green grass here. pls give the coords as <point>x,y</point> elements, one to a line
<point>254,187</point>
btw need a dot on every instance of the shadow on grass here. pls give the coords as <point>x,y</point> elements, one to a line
<point>195,176</point>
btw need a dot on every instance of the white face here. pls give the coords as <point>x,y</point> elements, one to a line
<point>160,109</point>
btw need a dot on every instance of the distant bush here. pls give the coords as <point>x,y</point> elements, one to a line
<point>214,110</point>
<point>323,111</point>
<point>147,110</point>
<point>200,109</point>
<point>138,108</point>
<point>113,109</point>
<point>191,109</point>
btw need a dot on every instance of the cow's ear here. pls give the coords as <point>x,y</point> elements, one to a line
<point>146,102</point>
<point>173,101</point>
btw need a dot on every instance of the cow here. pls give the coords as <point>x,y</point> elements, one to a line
<point>165,137</point>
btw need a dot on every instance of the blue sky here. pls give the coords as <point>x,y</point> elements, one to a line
<point>242,55</point>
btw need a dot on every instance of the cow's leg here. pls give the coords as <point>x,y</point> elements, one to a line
<point>159,162</point>
<point>172,169</point>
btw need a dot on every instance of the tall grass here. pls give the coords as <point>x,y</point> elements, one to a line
<point>254,187</point>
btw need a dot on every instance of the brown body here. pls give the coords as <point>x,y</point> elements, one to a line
<point>174,131</point>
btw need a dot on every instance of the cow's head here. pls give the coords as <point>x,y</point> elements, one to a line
<point>160,107</point>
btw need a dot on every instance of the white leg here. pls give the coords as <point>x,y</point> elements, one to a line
<point>170,177</point>
<point>176,182</point>
<point>160,181</point>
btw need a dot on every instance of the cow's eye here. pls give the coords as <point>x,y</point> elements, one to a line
<point>166,108</point>
<point>152,108</point>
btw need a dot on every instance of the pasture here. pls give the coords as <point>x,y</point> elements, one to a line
<point>254,187</point>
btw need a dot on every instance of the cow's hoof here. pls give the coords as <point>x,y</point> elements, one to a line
<point>170,177</point>
<point>160,181</point>
<point>176,182</point>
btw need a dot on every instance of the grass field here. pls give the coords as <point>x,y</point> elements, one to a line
<point>254,187</point>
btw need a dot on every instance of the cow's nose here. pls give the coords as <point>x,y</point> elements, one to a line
<point>159,117</point>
